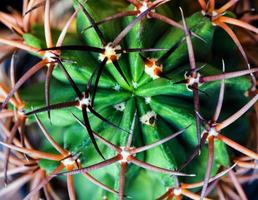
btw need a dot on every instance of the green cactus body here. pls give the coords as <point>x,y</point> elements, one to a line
<point>162,107</point>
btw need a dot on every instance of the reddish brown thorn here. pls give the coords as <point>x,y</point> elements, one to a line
<point>16,31</point>
<point>99,72</point>
<point>172,23</point>
<point>70,188</point>
<point>94,25</point>
<point>34,153</point>
<point>238,44</point>
<point>49,138</point>
<point>237,115</point>
<point>10,21</point>
<point>103,119</point>
<point>227,75</point>
<point>17,161</point>
<point>47,26</point>
<point>89,83</point>
<point>214,178</point>
<point>155,144</point>
<point>131,50</point>
<point>169,52</point>
<point>120,37</point>
<point>12,77</point>
<point>38,176</point>
<point>54,107</point>
<point>226,6</point>
<point>8,50</point>
<point>238,147</point>
<point>196,99</point>
<point>192,68</point>
<point>26,21</point>
<point>24,78</point>
<point>237,185</point>
<point>158,2</point>
<point>248,178</point>
<point>21,129</point>
<point>44,182</point>
<point>220,101</point>
<point>46,193</point>
<point>15,185</point>
<point>131,132</point>
<point>156,169</point>
<point>71,81</point>
<point>238,23</point>
<point>119,69</point>
<point>7,19</point>
<point>75,48</point>
<point>12,69</point>
<point>103,140</point>
<point>92,167</point>
<point>50,70</point>
<point>230,192</point>
<point>188,42</point>
<point>52,192</point>
<point>165,20</point>
<point>211,4</point>
<point>196,152</point>
<point>98,183</point>
<point>113,17</point>
<point>209,165</point>
<point>192,195</point>
<point>19,45</point>
<point>89,130</point>
<point>203,4</point>
<point>122,181</point>
<point>65,29</point>
<point>248,165</point>
<point>17,170</point>
<point>220,193</point>
<point>136,3</point>
<point>6,113</point>
<point>7,152</point>
<point>4,92</point>
<point>221,97</point>
<point>37,5</point>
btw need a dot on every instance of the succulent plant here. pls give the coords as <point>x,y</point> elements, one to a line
<point>139,103</point>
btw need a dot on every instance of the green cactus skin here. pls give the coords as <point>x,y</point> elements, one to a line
<point>117,101</point>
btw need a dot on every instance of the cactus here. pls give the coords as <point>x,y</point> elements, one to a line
<point>138,103</point>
